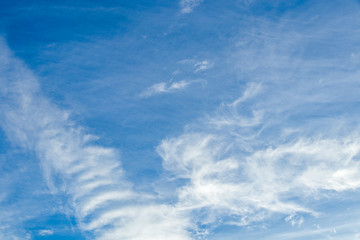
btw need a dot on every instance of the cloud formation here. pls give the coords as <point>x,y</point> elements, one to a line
<point>288,141</point>
<point>89,175</point>
<point>233,174</point>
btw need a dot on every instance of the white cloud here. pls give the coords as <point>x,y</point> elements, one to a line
<point>153,222</point>
<point>346,231</point>
<point>230,178</point>
<point>202,66</point>
<point>295,220</point>
<point>197,65</point>
<point>46,232</point>
<point>187,6</point>
<point>262,154</point>
<point>90,175</point>
<point>288,140</point>
<point>8,232</point>
<point>291,138</point>
<point>252,89</point>
<point>169,87</point>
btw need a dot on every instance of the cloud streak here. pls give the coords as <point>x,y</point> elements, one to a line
<point>169,87</point>
<point>202,66</point>
<point>89,175</point>
<point>46,232</point>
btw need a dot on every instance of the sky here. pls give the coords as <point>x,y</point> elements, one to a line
<point>180,120</point>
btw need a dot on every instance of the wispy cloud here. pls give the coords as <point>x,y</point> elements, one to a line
<point>287,141</point>
<point>202,66</point>
<point>197,65</point>
<point>90,175</point>
<point>168,87</point>
<point>295,220</point>
<point>46,232</point>
<point>229,177</point>
<point>187,6</point>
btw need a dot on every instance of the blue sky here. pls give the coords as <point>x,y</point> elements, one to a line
<point>179,120</point>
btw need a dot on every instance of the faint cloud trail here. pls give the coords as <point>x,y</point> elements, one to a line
<point>169,87</point>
